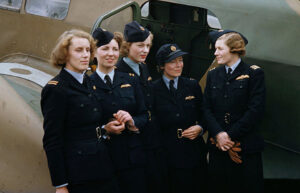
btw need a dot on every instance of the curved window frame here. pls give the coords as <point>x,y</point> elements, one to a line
<point>48,9</point>
<point>16,8</point>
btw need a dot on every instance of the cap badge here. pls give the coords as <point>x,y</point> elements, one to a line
<point>173,48</point>
<point>103,29</point>
<point>143,29</point>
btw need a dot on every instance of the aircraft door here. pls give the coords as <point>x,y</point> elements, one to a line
<point>116,19</point>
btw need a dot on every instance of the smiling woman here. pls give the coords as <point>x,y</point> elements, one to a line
<point>78,158</point>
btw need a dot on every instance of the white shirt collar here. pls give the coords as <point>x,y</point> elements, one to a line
<point>167,81</point>
<point>111,75</point>
<point>233,67</point>
<point>76,75</point>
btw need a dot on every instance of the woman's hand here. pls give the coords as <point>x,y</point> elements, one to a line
<point>224,142</point>
<point>114,127</point>
<point>192,132</point>
<point>125,117</point>
<point>62,190</point>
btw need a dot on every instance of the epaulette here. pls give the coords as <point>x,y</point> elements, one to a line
<point>131,74</point>
<point>254,67</point>
<point>53,82</point>
<point>212,68</point>
<point>149,78</point>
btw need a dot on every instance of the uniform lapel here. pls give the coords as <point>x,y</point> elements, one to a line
<point>237,72</point>
<point>180,88</point>
<point>118,79</point>
<point>166,92</point>
<point>99,82</point>
<point>222,73</point>
<point>72,81</point>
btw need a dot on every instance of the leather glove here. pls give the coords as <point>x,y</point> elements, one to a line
<point>233,152</point>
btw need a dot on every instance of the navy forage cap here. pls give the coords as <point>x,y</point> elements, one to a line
<point>102,36</point>
<point>167,53</point>
<point>134,32</point>
<point>214,35</point>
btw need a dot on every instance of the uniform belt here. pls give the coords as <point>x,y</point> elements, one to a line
<point>179,133</point>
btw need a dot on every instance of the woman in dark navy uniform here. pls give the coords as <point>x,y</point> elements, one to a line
<point>178,106</point>
<point>78,159</point>
<point>125,113</point>
<point>135,49</point>
<point>234,103</point>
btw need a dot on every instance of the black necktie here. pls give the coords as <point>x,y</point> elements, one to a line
<point>229,70</point>
<point>172,88</point>
<point>108,81</point>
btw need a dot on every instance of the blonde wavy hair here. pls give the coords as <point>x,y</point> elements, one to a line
<point>59,53</point>
<point>124,51</point>
<point>235,43</point>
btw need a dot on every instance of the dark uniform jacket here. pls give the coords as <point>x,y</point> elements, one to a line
<point>180,112</point>
<point>71,115</point>
<point>151,133</point>
<point>236,104</point>
<point>127,148</point>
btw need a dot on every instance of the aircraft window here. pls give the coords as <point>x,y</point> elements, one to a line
<point>212,20</point>
<point>145,10</point>
<point>13,5</point>
<point>56,9</point>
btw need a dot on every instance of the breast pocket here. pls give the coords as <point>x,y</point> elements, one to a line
<point>190,101</point>
<point>215,90</point>
<point>127,96</point>
<point>240,87</point>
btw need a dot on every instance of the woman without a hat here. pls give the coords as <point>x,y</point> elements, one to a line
<point>78,158</point>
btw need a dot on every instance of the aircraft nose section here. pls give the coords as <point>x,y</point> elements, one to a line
<point>23,164</point>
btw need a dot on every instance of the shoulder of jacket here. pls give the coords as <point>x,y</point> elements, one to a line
<point>212,69</point>
<point>156,82</point>
<point>254,69</point>
<point>56,81</point>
